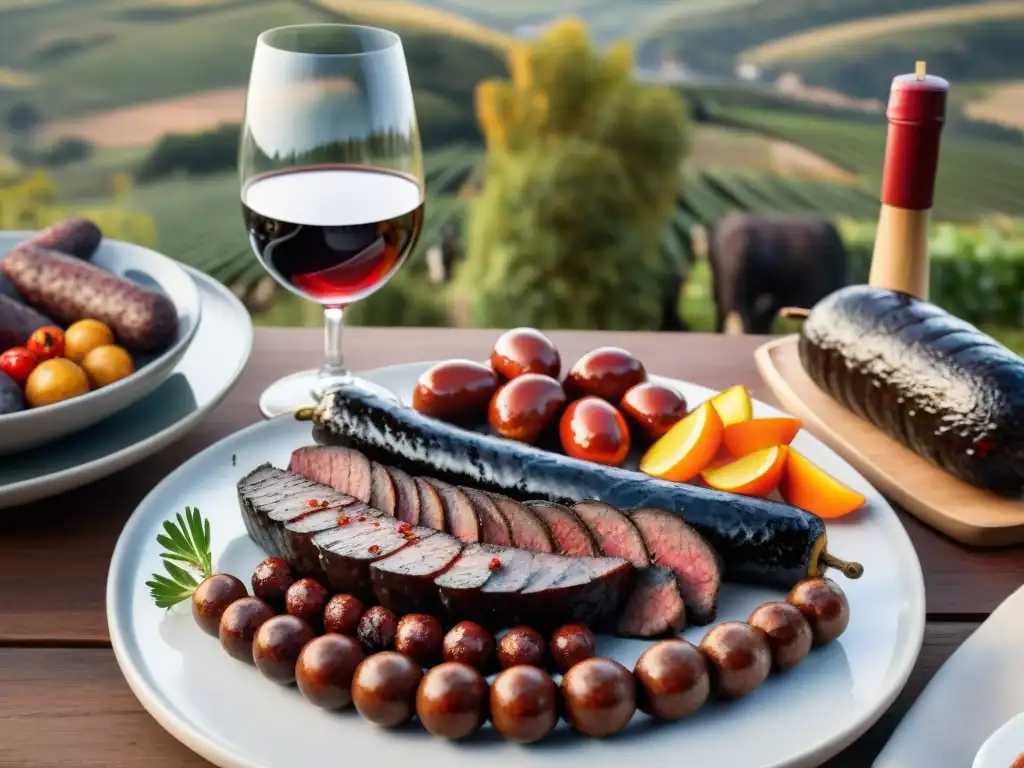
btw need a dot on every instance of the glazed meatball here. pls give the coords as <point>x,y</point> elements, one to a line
<point>376,630</point>
<point>270,581</point>
<point>384,688</point>
<point>342,615</point>
<point>306,599</point>
<point>521,645</point>
<point>238,626</point>
<point>471,644</point>
<point>277,645</point>
<point>823,603</point>
<point>211,599</point>
<point>451,700</point>
<point>599,696</point>
<point>672,680</point>
<point>789,634</point>
<point>739,658</point>
<point>325,669</point>
<point>420,636</point>
<point>524,704</point>
<point>571,644</point>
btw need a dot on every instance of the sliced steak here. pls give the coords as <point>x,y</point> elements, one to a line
<point>528,532</point>
<point>459,516</point>
<point>296,541</point>
<point>462,583</point>
<point>500,572</point>
<point>615,534</point>
<point>431,509</point>
<point>269,497</point>
<point>404,581</point>
<point>347,552</point>
<point>343,469</point>
<point>655,605</point>
<point>590,590</point>
<point>407,499</point>
<point>493,527</point>
<point>675,545</point>
<point>382,489</point>
<point>569,534</point>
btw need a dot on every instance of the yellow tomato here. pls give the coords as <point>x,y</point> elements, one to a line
<point>53,381</point>
<point>107,364</point>
<point>84,336</point>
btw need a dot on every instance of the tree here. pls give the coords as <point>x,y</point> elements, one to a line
<point>582,173</point>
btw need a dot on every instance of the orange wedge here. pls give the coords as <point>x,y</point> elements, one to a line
<point>756,474</point>
<point>809,487</point>
<point>682,452</point>
<point>733,405</point>
<point>745,437</point>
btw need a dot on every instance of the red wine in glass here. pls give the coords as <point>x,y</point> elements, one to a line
<point>333,233</point>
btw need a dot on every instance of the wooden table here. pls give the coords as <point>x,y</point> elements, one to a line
<point>63,701</point>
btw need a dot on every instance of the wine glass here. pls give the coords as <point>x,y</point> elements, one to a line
<point>332,178</point>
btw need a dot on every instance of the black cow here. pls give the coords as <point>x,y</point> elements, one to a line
<point>761,263</point>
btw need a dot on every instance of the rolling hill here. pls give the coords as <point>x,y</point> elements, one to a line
<point>970,41</point>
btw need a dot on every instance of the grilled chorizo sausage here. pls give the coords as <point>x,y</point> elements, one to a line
<point>69,290</point>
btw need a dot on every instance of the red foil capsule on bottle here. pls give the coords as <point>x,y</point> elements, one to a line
<point>916,113</point>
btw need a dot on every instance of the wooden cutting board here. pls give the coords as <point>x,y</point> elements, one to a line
<point>961,511</point>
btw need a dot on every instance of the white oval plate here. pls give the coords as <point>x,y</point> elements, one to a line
<point>38,426</point>
<point>225,711</point>
<point>202,378</point>
<point>1003,747</point>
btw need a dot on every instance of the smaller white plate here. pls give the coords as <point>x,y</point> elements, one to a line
<point>38,426</point>
<point>1003,747</point>
<point>975,692</point>
<point>205,374</point>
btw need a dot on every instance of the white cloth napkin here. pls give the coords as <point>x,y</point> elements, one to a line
<point>978,689</point>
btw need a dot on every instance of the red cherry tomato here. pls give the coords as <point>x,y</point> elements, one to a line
<point>592,429</point>
<point>46,342</point>
<point>18,362</point>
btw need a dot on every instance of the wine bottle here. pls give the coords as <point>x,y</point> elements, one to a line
<point>916,113</point>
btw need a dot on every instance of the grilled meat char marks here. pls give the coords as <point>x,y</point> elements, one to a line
<point>761,541</point>
<point>274,497</point>
<point>348,551</point>
<point>593,528</point>
<point>378,556</point>
<point>404,581</point>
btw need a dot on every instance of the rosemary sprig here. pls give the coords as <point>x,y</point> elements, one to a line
<point>188,542</point>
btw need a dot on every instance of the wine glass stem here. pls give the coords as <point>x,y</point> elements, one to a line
<point>333,372</point>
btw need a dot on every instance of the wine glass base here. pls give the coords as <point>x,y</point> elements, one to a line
<point>295,391</point>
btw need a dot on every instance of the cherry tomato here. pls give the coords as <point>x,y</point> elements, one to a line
<point>592,429</point>
<point>46,342</point>
<point>18,362</point>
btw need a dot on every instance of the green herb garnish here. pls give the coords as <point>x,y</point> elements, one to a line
<point>187,542</point>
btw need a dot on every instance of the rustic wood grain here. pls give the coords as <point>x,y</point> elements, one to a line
<point>71,707</point>
<point>56,552</point>
<point>965,512</point>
